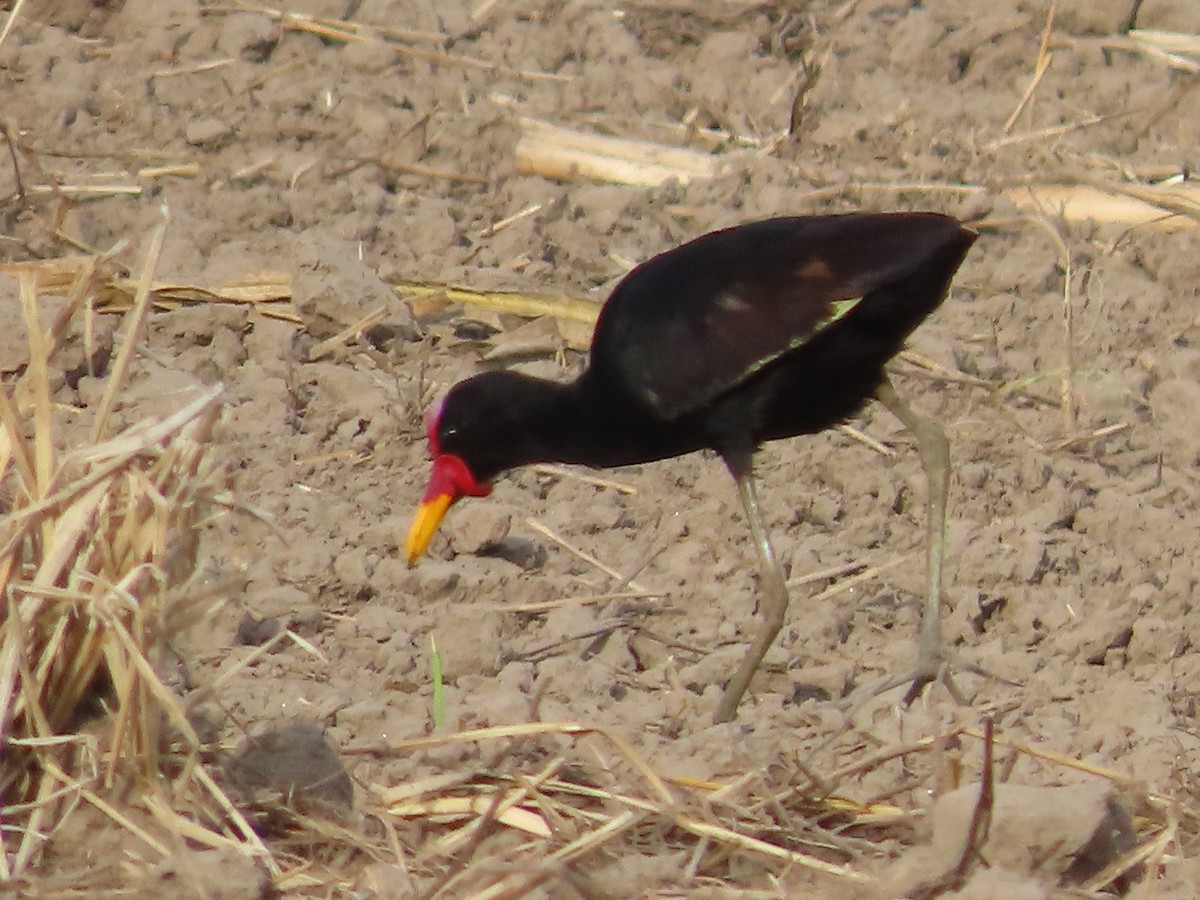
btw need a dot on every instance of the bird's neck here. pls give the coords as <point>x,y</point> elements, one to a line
<point>562,423</point>
<point>522,420</point>
<point>603,428</point>
<point>576,424</point>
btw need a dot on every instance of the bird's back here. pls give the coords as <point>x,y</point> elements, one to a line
<point>711,317</point>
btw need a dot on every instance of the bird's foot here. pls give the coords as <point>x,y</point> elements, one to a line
<point>935,663</point>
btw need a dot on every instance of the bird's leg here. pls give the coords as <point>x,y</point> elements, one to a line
<point>773,605</point>
<point>934,449</point>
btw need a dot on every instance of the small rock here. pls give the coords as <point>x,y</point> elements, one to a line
<point>332,289</point>
<point>529,555</point>
<point>1174,402</point>
<point>536,339</point>
<point>207,132</point>
<point>251,36</point>
<point>252,632</point>
<point>804,691</point>
<point>1156,639</point>
<point>386,881</point>
<point>1062,835</point>
<point>278,600</point>
<point>205,874</point>
<point>293,767</point>
<point>478,527</point>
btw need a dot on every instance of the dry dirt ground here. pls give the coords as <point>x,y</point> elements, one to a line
<point>350,164</point>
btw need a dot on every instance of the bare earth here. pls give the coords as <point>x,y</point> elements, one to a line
<point>1071,563</point>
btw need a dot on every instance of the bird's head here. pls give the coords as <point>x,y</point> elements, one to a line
<point>450,479</point>
<point>486,425</point>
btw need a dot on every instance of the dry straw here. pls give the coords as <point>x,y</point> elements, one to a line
<point>98,557</point>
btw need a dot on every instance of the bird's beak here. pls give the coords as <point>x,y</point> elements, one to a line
<point>425,525</point>
<point>449,480</point>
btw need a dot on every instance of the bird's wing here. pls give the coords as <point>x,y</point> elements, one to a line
<point>686,326</point>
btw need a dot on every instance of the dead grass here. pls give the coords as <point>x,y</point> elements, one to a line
<point>99,554</point>
<point>98,559</point>
<point>99,549</point>
<point>564,801</point>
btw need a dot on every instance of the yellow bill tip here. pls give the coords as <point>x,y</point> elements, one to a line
<point>425,525</point>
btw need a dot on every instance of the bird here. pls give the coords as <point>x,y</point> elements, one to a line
<point>754,333</point>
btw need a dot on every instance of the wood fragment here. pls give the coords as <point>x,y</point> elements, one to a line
<point>1167,47</point>
<point>84,191</point>
<point>565,154</point>
<point>182,170</point>
<point>521,303</point>
<point>56,276</point>
<point>1167,207</point>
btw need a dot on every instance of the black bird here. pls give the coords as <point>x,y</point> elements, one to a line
<point>750,334</point>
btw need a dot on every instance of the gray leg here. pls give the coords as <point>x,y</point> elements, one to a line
<point>774,598</point>
<point>934,449</point>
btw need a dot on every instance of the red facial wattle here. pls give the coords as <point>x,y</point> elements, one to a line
<point>450,479</point>
<point>450,476</point>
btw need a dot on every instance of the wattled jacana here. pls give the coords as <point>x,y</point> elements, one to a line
<point>750,334</point>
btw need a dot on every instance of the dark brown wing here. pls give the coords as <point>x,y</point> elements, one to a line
<point>686,326</point>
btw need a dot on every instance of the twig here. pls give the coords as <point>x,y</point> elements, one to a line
<point>125,822</point>
<point>1156,115</point>
<point>10,138</point>
<point>1077,440</point>
<point>10,21</point>
<point>826,574</point>
<point>521,303</point>
<point>195,69</point>
<point>620,487</point>
<point>579,847</point>
<point>181,170</point>
<point>548,605</point>
<point>1052,131</point>
<point>499,226</point>
<point>1140,41</point>
<point>1044,58</point>
<point>480,12</point>
<point>1067,385</point>
<point>867,574</point>
<point>133,331</point>
<point>586,557</point>
<point>981,815</point>
<point>1151,850</point>
<point>863,438</point>
<point>569,729</point>
<point>353,330</point>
